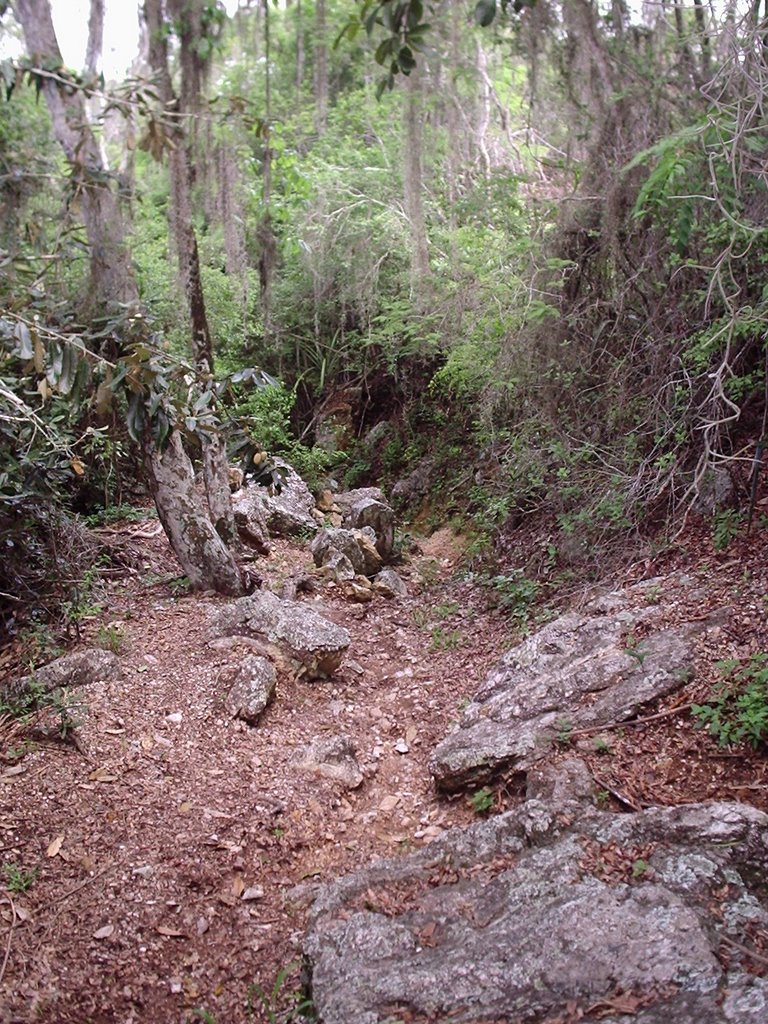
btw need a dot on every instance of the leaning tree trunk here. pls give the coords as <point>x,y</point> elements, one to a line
<point>112,277</point>
<point>215,466</point>
<point>204,557</point>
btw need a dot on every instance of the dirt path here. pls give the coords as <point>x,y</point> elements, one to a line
<point>163,848</point>
<point>157,856</point>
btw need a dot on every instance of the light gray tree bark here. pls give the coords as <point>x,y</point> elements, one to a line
<point>112,277</point>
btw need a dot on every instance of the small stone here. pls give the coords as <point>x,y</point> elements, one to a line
<point>254,892</point>
<point>389,803</point>
<point>174,718</point>
<point>401,746</point>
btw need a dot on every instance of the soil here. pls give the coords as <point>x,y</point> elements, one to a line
<point>149,854</point>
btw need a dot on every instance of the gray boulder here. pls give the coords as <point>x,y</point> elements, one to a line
<point>331,757</point>
<point>290,632</point>
<point>388,583</point>
<point>251,518</point>
<point>92,665</point>
<point>379,517</point>
<point>358,546</point>
<point>580,671</point>
<point>251,685</point>
<point>553,911</point>
<point>284,514</point>
<point>344,500</point>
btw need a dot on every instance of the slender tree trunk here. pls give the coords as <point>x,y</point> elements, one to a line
<point>95,37</point>
<point>112,278</point>
<point>299,51</point>
<point>215,467</point>
<point>321,68</point>
<point>413,180</point>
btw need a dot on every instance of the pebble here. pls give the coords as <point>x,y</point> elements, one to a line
<point>401,746</point>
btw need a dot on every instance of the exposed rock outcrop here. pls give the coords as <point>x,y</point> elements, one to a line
<point>332,757</point>
<point>314,646</point>
<point>92,665</point>
<point>553,911</point>
<point>583,670</point>
<point>259,513</point>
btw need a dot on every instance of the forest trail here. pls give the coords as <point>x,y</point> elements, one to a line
<point>165,842</point>
<point>171,813</point>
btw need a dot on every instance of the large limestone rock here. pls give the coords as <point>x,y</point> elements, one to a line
<point>367,506</point>
<point>357,546</point>
<point>580,671</point>
<point>553,911</point>
<point>313,645</point>
<point>284,514</point>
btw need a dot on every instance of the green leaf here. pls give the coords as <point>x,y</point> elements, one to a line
<point>485,12</point>
<point>384,50</point>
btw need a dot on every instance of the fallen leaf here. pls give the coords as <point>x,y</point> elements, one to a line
<point>202,925</point>
<point>105,932</point>
<point>23,914</point>
<point>238,886</point>
<point>55,846</point>
<point>172,933</point>
<point>102,774</point>
<point>185,808</point>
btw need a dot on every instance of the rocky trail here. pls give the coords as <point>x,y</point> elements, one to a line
<point>165,860</point>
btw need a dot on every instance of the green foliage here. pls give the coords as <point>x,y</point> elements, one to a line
<point>445,639</point>
<point>111,638</point>
<point>738,709</point>
<point>17,879</point>
<point>726,524</point>
<point>482,801</point>
<point>31,701</point>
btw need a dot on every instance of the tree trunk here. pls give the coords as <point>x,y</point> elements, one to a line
<point>215,466</point>
<point>198,547</point>
<point>112,277</point>
<point>202,553</point>
<point>413,183</point>
<point>321,68</point>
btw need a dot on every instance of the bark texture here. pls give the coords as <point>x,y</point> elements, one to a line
<point>202,553</point>
<point>112,277</point>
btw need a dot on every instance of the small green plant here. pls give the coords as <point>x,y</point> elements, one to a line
<point>111,638</point>
<point>514,592</point>
<point>725,527</point>
<point>640,868</point>
<point>482,800</point>
<point>738,709</point>
<point>33,698</point>
<point>633,649</point>
<point>280,1003</point>
<point>179,585</point>
<point>445,639</point>
<point>564,734</point>
<point>602,796</point>
<point>445,610</point>
<point>420,617</point>
<point>18,880</point>
<point>200,1013</point>
<point>653,594</point>
<point>602,745</point>
<point>118,513</point>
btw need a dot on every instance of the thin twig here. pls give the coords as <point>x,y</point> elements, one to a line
<point>745,949</point>
<point>14,915</point>
<point>622,799</point>
<point>632,721</point>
